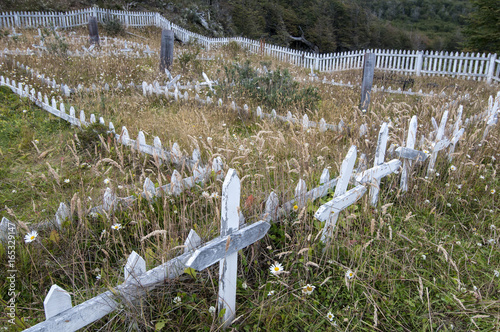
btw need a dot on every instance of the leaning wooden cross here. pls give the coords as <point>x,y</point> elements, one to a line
<point>60,316</point>
<point>224,249</point>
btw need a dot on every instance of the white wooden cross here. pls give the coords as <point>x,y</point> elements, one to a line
<point>439,144</point>
<point>342,182</point>
<point>224,249</point>
<point>410,146</point>
<point>457,133</point>
<point>379,160</point>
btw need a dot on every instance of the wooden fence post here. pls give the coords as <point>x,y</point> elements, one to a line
<point>93,31</point>
<point>491,68</point>
<point>439,144</point>
<point>366,85</point>
<point>167,49</point>
<point>419,63</point>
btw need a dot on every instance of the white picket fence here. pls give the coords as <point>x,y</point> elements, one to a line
<point>60,315</point>
<point>474,66</point>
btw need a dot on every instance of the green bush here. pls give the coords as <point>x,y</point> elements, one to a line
<point>275,89</point>
<point>113,26</point>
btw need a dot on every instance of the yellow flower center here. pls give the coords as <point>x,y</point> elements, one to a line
<point>276,268</point>
<point>295,207</point>
<point>32,237</point>
<point>309,288</point>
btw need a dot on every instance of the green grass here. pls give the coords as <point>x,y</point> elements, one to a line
<point>424,260</point>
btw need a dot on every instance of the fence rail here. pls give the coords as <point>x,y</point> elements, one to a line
<point>468,66</point>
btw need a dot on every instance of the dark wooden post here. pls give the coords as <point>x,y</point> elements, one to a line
<point>167,49</point>
<point>366,86</point>
<point>93,32</point>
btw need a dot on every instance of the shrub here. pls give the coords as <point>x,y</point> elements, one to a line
<point>274,89</point>
<point>113,26</point>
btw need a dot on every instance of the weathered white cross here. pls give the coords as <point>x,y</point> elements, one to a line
<point>224,249</point>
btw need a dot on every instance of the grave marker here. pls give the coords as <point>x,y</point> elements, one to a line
<point>167,49</point>
<point>93,31</point>
<point>366,85</point>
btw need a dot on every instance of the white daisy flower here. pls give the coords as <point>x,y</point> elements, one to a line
<point>211,309</point>
<point>106,181</point>
<point>244,285</point>
<point>177,300</point>
<point>98,277</point>
<point>453,168</point>
<point>330,316</point>
<point>276,268</point>
<point>270,293</point>
<point>66,181</point>
<point>308,289</point>
<point>30,237</point>
<point>349,274</point>
<point>496,273</point>
<point>116,226</point>
<point>424,257</point>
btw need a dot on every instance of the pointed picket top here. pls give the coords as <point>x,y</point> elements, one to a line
<point>149,189</point>
<point>7,228</point>
<point>273,114</point>
<point>192,241</point>
<point>325,176</point>
<point>196,156</point>
<point>109,199</point>
<point>176,185</point>
<point>40,97</point>
<point>410,144</point>
<point>300,193</point>
<point>341,125</point>
<point>54,104</point>
<point>186,96</point>
<point>176,153</point>
<point>218,168</point>
<point>228,267</point>
<point>111,127</point>
<point>101,121</point>
<point>72,112</point>
<point>322,125</point>
<point>434,124</point>
<point>144,88</point>
<point>135,266</point>
<point>56,301</point>
<point>289,116</point>
<point>45,98</point>
<point>271,209</point>
<point>233,105</point>
<point>63,213</point>
<point>363,130</point>
<point>245,108</point>
<point>62,109</point>
<point>199,173</point>
<point>219,102</point>
<point>106,87</point>
<point>305,122</point>
<point>141,141</point>
<point>157,145</point>
<point>259,112</point>
<point>82,118</point>
<point>92,118</point>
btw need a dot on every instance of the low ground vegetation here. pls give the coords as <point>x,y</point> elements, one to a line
<point>423,260</point>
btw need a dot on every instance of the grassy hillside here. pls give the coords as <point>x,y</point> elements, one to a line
<point>424,260</point>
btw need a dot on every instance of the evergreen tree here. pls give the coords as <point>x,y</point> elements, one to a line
<point>483,29</point>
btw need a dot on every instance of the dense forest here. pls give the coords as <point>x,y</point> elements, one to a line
<point>323,25</point>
